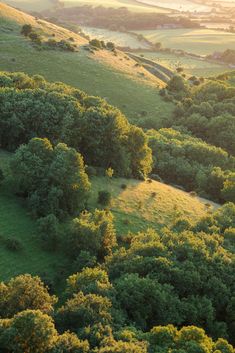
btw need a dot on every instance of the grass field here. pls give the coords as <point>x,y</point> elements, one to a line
<point>191,66</point>
<point>30,5</point>
<point>120,39</point>
<point>132,5</point>
<point>126,92</point>
<point>197,41</point>
<point>142,204</point>
<point>179,5</point>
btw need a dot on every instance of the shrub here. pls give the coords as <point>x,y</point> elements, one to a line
<point>193,193</point>
<point>229,234</point>
<point>13,244</point>
<point>26,30</point>
<point>35,38</point>
<point>49,229</point>
<point>1,176</point>
<point>84,259</point>
<point>110,46</point>
<point>124,186</point>
<point>91,171</point>
<point>104,198</point>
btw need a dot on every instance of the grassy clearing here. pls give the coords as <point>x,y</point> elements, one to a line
<point>142,205</point>
<point>16,223</point>
<point>190,65</point>
<point>197,41</point>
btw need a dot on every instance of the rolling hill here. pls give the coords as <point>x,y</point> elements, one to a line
<point>140,206</point>
<point>102,73</point>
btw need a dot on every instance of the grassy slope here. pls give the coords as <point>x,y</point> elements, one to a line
<point>115,78</point>
<point>197,41</point>
<point>16,223</point>
<point>134,209</point>
<point>30,5</point>
<point>192,66</point>
<point>137,208</point>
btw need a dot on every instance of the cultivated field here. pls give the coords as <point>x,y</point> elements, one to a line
<point>191,66</point>
<point>197,41</point>
<point>179,5</point>
<point>132,5</point>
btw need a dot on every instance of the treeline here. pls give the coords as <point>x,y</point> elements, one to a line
<point>192,163</point>
<point>207,111</point>
<point>228,56</point>
<point>31,107</point>
<point>117,19</point>
<point>145,297</point>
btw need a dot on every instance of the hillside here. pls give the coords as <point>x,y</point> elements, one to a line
<point>100,74</point>
<point>134,209</point>
<point>143,204</point>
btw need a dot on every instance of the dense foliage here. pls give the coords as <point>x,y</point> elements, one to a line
<point>32,107</point>
<point>53,179</point>
<point>168,291</point>
<point>195,165</point>
<point>208,112</point>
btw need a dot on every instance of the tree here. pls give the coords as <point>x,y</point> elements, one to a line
<point>54,179</point>
<point>89,280</point>
<point>83,311</point>
<point>25,292</point>
<point>92,232</point>
<point>69,342</point>
<point>49,230</point>
<point>26,29</point>
<point>228,191</point>
<point>29,331</point>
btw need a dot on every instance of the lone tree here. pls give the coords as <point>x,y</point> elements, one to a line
<point>26,30</point>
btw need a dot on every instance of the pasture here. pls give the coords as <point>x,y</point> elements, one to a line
<point>192,66</point>
<point>131,5</point>
<point>125,91</point>
<point>120,39</point>
<point>197,41</point>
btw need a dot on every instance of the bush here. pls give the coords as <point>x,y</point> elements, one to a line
<point>104,198</point>
<point>84,259</point>
<point>49,229</point>
<point>13,244</point>
<point>91,171</point>
<point>35,38</point>
<point>124,186</point>
<point>229,234</point>
<point>26,30</point>
<point>1,176</point>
